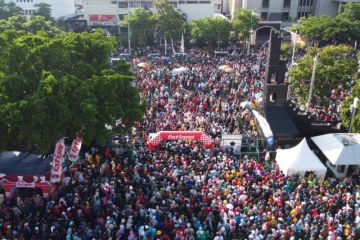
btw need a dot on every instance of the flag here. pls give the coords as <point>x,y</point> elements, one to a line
<point>172,46</point>
<point>75,149</point>
<point>165,46</point>
<point>297,40</point>
<point>58,158</point>
<point>182,44</point>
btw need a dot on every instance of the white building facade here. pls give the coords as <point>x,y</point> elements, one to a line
<point>287,11</point>
<point>110,12</point>
<point>59,8</point>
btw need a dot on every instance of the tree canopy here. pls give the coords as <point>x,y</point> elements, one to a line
<point>142,26</point>
<point>245,20</point>
<point>168,20</point>
<point>346,113</point>
<point>53,84</point>
<point>44,9</point>
<point>343,28</point>
<point>210,29</point>
<point>9,9</point>
<point>335,66</point>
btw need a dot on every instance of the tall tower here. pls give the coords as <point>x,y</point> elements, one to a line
<point>275,88</point>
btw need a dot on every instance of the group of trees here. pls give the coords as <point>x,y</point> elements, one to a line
<point>332,39</point>
<point>11,9</point>
<point>335,66</point>
<point>170,23</point>
<point>53,83</point>
<point>343,28</point>
<point>166,22</point>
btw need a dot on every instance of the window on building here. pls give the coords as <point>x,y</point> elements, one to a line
<point>306,2</point>
<point>264,15</point>
<point>134,4</point>
<point>218,6</point>
<point>287,3</point>
<point>123,5</point>
<point>147,4</point>
<point>204,2</point>
<point>265,3</point>
<point>181,2</point>
<point>174,4</point>
<point>285,16</point>
<point>192,2</point>
<point>114,2</point>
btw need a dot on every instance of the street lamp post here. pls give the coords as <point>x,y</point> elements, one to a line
<point>294,35</point>
<point>353,109</point>
<point>251,30</point>
<point>129,39</point>
<point>312,82</point>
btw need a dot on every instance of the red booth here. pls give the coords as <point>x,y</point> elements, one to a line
<point>180,135</point>
<point>20,170</point>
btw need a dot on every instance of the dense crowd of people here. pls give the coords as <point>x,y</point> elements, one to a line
<point>181,190</point>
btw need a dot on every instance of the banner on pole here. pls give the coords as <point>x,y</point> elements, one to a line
<point>56,169</point>
<point>75,149</point>
<point>182,49</point>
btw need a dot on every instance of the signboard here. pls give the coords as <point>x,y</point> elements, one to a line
<point>56,169</point>
<point>103,20</point>
<point>75,149</point>
<point>180,135</point>
<point>22,184</point>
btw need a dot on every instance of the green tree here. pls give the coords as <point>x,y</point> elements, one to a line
<point>14,23</point>
<point>210,30</point>
<point>53,84</point>
<point>244,21</point>
<point>353,11</point>
<point>313,27</point>
<point>39,23</point>
<point>343,28</point>
<point>44,9</point>
<point>346,113</point>
<point>141,25</point>
<point>169,21</point>
<point>9,9</point>
<point>335,66</point>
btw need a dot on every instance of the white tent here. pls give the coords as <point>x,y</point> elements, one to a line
<point>299,160</point>
<point>180,70</point>
<point>340,148</point>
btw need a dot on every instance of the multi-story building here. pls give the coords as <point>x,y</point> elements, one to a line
<point>59,8</point>
<point>110,12</point>
<point>287,11</point>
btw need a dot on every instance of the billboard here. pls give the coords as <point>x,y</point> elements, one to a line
<point>103,20</point>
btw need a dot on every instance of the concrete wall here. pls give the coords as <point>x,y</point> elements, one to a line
<point>326,8</point>
<point>192,11</point>
<point>59,7</point>
<point>195,11</point>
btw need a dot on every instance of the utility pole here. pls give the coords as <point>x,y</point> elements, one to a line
<point>353,109</point>
<point>312,82</point>
<point>129,38</point>
<point>294,50</point>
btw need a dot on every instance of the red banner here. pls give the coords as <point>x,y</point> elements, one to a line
<point>75,149</point>
<point>103,19</point>
<point>56,169</point>
<point>180,135</point>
